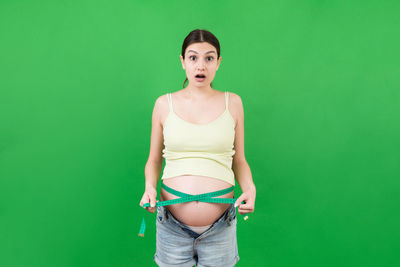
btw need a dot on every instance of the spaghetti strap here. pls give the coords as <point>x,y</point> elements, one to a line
<point>226,99</point>
<point>170,101</point>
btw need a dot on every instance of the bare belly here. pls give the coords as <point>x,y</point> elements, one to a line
<point>196,213</point>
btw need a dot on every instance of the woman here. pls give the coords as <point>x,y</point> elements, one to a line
<point>200,133</point>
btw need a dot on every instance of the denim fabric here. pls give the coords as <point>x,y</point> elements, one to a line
<point>178,245</point>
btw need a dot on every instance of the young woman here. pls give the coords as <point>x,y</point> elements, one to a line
<point>200,133</point>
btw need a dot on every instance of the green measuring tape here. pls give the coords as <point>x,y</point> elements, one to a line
<point>207,197</point>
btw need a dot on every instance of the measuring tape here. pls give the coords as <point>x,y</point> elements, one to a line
<point>207,197</point>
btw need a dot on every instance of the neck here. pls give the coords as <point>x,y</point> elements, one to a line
<point>199,91</point>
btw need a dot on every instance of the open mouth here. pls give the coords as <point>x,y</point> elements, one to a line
<point>200,77</point>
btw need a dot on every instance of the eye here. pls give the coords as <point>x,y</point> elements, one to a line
<point>209,57</point>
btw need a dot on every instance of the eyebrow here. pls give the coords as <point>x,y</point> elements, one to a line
<point>197,53</point>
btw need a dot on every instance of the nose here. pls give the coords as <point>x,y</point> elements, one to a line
<point>200,68</point>
<point>200,65</point>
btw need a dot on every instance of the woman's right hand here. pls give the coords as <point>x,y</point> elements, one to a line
<point>149,196</point>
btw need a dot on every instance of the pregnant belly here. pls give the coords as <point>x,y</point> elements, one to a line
<point>196,213</point>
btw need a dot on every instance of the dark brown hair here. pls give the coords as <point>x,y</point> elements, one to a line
<point>199,36</point>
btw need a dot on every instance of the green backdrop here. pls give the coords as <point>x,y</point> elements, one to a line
<point>320,85</point>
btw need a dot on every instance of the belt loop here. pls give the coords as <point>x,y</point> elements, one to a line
<point>161,213</point>
<point>231,213</point>
<point>165,213</point>
<point>228,214</point>
<point>226,217</point>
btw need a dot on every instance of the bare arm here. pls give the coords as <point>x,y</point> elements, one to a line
<point>240,166</point>
<point>153,166</point>
<point>152,172</point>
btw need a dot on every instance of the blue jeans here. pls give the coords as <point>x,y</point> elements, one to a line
<point>177,245</point>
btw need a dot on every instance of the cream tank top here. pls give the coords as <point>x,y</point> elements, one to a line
<point>199,149</point>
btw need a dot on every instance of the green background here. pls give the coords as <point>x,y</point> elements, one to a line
<point>320,85</point>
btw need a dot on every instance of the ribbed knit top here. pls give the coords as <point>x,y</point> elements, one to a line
<point>199,149</point>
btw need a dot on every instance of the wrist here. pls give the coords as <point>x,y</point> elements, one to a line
<point>150,186</point>
<point>250,187</point>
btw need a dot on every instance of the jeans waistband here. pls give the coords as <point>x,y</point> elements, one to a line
<point>228,216</point>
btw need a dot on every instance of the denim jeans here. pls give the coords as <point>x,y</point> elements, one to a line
<point>178,245</point>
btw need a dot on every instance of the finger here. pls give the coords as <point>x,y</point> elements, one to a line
<point>243,212</point>
<point>245,206</point>
<point>147,200</point>
<point>152,209</point>
<point>238,202</point>
<point>246,209</point>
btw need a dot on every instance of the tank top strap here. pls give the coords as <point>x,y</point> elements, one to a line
<point>170,102</point>
<point>226,99</point>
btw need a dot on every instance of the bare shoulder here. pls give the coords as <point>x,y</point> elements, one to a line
<point>235,99</point>
<point>156,143</point>
<point>161,109</point>
<point>235,106</point>
<point>161,101</point>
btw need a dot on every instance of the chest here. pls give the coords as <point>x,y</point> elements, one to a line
<point>216,136</point>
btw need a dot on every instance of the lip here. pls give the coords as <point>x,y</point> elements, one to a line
<point>200,79</point>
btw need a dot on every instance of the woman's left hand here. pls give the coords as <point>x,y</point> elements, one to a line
<point>249,197</point>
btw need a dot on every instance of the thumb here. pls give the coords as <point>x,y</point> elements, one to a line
<point>152,202</point>
<point>238,201</point>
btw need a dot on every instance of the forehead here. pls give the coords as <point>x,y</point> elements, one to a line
<point>201,48</point>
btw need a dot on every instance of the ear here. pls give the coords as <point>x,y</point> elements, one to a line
<point>182,61</point>
<point>219,62</point>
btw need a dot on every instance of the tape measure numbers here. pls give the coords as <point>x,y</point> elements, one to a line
<point>207,197</point>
